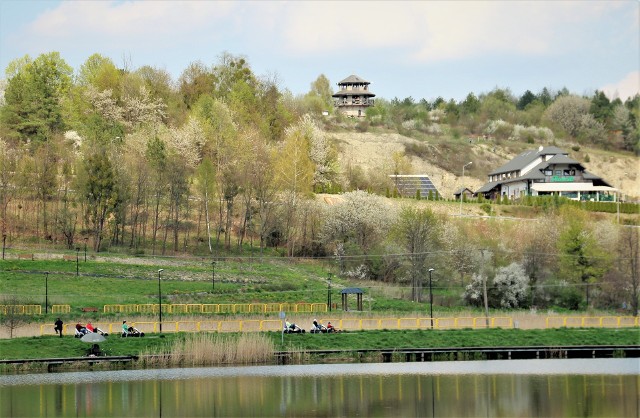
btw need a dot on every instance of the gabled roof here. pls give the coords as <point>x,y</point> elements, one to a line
<point>562,159</point>
<point>462,190</point>
<point>526,158</point>
<point>354,79</point>
<point>488,187</point>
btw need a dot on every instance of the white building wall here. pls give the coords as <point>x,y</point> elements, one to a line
<point>513,190</point>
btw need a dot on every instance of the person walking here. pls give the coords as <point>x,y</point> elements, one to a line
<point>58,327</point>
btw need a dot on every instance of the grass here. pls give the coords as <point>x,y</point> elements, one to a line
<point>213,346</point>
<point>135,281</point>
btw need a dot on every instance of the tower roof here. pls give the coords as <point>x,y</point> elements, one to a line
<point>354,79</point>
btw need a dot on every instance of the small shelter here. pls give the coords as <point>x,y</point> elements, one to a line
<point>349,291</point>
<point>468,194</point>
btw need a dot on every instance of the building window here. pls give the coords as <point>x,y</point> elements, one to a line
<point>558,172</point>
<point>548,172</point>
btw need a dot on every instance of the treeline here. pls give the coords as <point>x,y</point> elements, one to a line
<point>541,117</point>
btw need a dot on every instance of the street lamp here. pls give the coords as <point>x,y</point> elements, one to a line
<point>329,293</point>
<point>431,297</point>
<point>46,291</point>
<point>462,187</point>
<point>85,248</point>
<point>213,276</point>
<point>160,298</point>
<point>77,261</point>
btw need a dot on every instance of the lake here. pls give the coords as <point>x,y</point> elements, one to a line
<point>560,387</point>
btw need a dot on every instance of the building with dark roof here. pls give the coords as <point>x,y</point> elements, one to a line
<point>353,96</point>
<point>546,171</point>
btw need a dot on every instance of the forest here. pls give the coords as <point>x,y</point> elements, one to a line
<point>222,162</point>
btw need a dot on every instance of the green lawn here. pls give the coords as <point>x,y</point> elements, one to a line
<point>51,346</point>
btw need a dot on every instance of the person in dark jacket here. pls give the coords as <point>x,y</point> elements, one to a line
<point>58,327</point>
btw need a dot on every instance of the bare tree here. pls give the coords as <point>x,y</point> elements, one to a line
<point>12,315</point>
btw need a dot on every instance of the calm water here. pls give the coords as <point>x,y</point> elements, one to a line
<point>608,387</point>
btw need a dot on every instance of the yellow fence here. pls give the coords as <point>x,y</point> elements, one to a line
<point>60,309</point>
<point>231,308</point>
<point>21,309</point>
<point>357,324</point>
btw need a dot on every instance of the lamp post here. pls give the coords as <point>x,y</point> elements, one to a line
<point>160,298</point>
<point>85,248</point>
<point>213,276</point>
<point>329,292</point>
<point>46,291</point>
<point>462,187</point>
<point>431,297</point>
<point>4,240</point>
<point>77,261</point>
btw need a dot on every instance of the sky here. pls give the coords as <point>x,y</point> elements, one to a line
<point>420,49</point>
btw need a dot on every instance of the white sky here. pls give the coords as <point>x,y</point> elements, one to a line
<point>422,49</point>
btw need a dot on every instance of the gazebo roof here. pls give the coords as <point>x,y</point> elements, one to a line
<point>352,290</point>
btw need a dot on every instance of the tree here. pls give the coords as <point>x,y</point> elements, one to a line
<point>418,232</point>
<point>359,218</point>
<point>525,100</point>
<point>101,73</point>
<point>601,108</point>
<point>511,286</point>
<point>571,113</point>
<point>195,81</point>
<point>100,192</point>
<point>581,260</point>
<point>11,315</point>
<point>629,264</point>
<point>320,96</point>
<point>470,105</point>
<point>33,98</point>
<point>8,170</point>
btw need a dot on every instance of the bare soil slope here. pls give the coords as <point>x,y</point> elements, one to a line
<point>373,151</point>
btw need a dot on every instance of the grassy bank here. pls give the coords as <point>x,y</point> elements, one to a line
<point>215,345</point>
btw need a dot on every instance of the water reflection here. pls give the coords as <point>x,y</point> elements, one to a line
<point>495,388</point>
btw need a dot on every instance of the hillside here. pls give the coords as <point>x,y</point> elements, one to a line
<point>444,159</point>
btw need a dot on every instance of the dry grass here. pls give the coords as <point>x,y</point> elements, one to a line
<point>204,349</point>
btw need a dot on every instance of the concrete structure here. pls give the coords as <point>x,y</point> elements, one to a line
<point>408,184</point>
<point>546,171</point>
<point>353,96</point>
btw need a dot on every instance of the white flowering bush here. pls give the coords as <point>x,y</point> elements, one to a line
<point>473,291</point>
<point>508,289</point>
<point>360,218</point>
<point>434,129</point>
<point>521,132</point>
<point>361,272</point>
<point>511,286</point>
<point>409,124</point>
<point>437,114</point>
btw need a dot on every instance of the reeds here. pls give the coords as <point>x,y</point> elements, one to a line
<point>204,349</point>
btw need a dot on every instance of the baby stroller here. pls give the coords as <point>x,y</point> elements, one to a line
<point>97,330</point>
<point>81,331</point>
<point>133,332</point>
<point>293,329</point>
<point>317,328</point>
